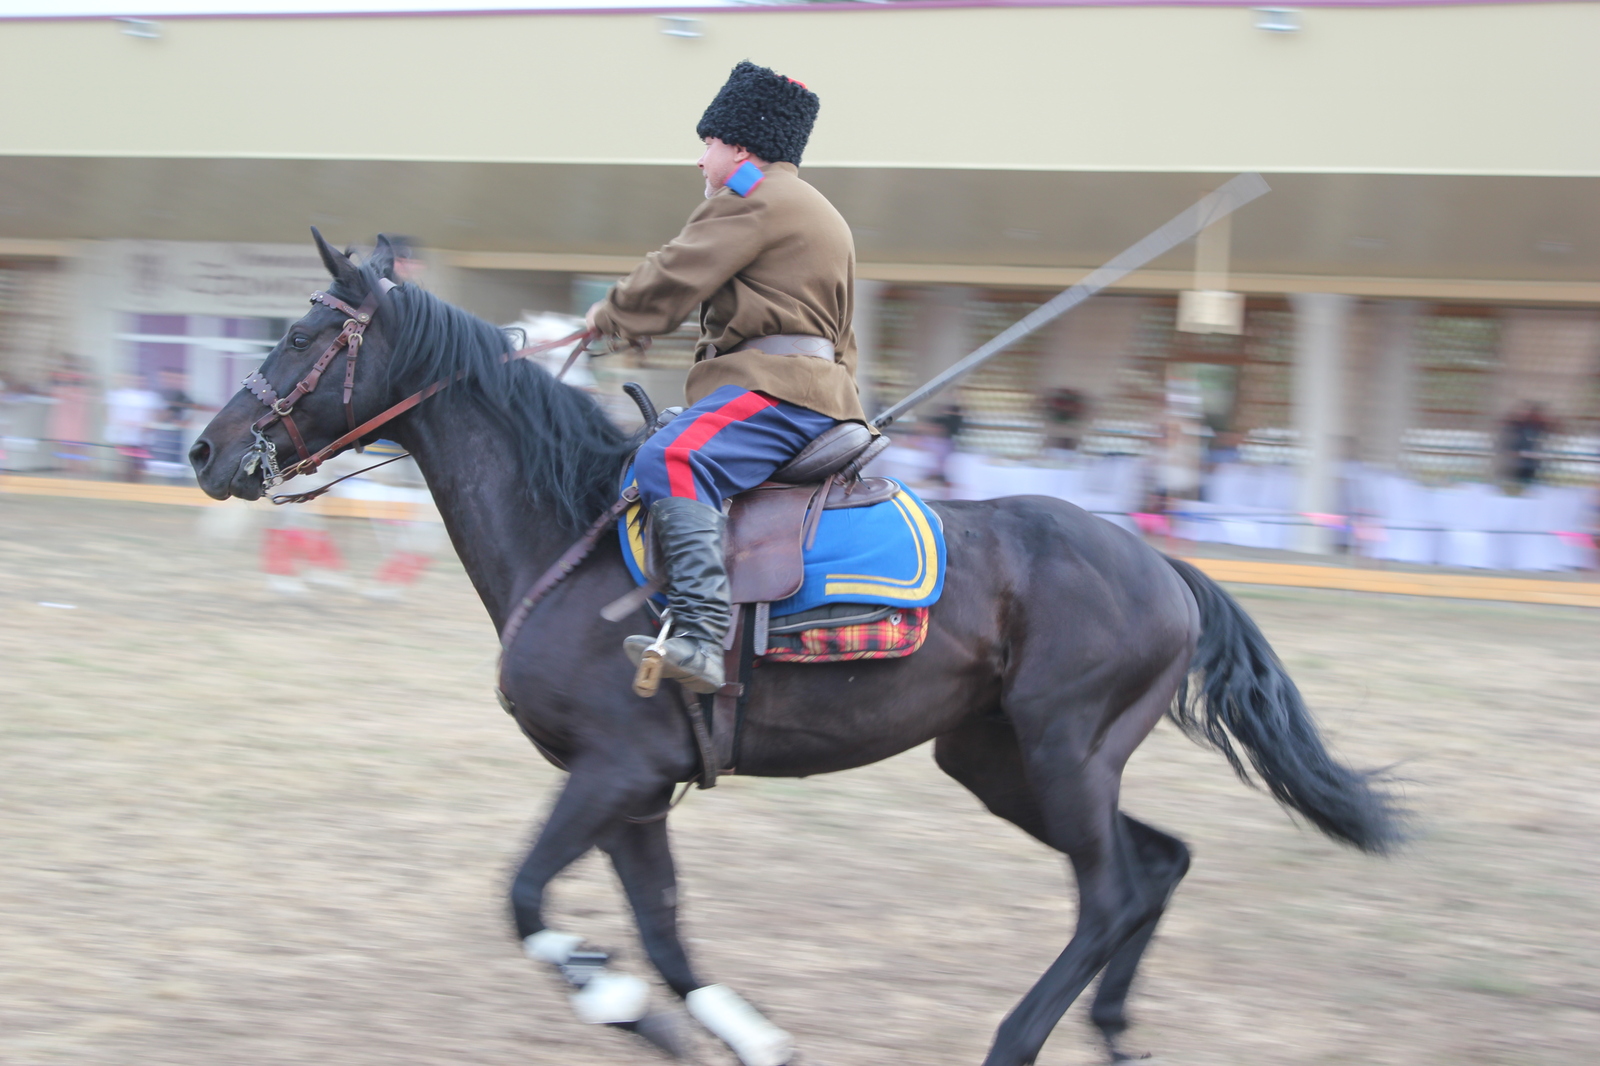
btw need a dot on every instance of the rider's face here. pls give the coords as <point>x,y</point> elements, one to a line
<point>718,163</point>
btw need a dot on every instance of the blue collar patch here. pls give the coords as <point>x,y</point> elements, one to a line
<point>744,180</point>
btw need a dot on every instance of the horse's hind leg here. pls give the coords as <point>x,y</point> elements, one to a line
<point>1165,860</point>
<point>983,755</point>
<point>1080,812</point>
<point>1072,780</point>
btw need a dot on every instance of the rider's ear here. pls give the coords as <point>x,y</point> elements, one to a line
<point>339,266</point>
<point>383,257</point>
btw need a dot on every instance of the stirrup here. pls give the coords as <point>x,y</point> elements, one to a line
<point>696,670</point>
<point>647,679</point>
<point>655,663</point>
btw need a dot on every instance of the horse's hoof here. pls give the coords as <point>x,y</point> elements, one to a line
<point>663,1030</point>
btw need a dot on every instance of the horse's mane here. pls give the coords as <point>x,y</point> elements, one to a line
<point>569,453</point>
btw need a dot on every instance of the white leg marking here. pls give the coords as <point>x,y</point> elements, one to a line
<point>736,1023</point>
<point>547,945</point>
<point>611,997</point>
<point>605,997</point>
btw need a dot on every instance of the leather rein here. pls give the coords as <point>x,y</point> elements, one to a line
<point>262,452</point>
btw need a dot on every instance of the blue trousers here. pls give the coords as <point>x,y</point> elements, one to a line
<point>728,442</point>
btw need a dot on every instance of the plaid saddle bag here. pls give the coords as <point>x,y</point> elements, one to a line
<point>840,632</point>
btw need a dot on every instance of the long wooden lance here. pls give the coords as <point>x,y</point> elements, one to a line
<point>1182,227</point>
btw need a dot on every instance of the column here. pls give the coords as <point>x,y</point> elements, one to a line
<point>94,294</point>
<point>1321,333</point>
<point>943,333</point>
<point>1391,392</point>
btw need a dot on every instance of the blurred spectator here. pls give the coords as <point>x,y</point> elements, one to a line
<point>1523,440</point>
<point>935,437</point>
<point>69,419</point>
<point>921,455</point>
<point>932,438</point>
<point>950,421</point>
<point>130,408</point>
<point>1181,445</point>
<point>1064,412</point>
<point>167,439</point>
<point>1224,448</point>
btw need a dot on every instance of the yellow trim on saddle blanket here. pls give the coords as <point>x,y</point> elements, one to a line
<point>873,588</point>
<point>887,589</point>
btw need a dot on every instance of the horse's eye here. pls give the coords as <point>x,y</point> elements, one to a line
<point>300,340</point>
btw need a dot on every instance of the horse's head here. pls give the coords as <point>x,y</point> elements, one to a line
<point>296,403</point>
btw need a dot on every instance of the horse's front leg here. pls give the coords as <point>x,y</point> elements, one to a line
<point>596,799</point>
<point>642,858</point>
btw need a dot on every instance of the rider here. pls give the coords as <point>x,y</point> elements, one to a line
<point>771,265</point>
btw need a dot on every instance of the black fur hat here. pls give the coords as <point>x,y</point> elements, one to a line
<point>765,113</point>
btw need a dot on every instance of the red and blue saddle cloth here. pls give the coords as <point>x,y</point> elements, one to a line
<point>889,555</point>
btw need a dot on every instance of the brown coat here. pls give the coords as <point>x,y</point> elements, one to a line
<point>780,260</point>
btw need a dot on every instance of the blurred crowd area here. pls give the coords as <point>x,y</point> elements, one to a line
<point>1470,435</point>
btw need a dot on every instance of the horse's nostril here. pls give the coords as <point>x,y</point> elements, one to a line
<point>200,454</point>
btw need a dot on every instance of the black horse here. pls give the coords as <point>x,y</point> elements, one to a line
<point>1058,644</point>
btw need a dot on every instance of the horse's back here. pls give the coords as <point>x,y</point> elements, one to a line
<point>1055,563</point>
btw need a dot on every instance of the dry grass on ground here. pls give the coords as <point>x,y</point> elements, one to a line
<point>239,829</point>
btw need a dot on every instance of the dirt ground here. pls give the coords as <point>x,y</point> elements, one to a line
<point>238,828</point>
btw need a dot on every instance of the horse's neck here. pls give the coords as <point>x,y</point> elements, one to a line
<point>503,541</point>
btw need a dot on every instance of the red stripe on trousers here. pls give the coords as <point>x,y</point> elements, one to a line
<point>680,475</point>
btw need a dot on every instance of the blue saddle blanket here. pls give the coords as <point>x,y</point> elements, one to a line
<point>889,553</point>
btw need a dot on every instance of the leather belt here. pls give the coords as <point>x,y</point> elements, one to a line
<point>787,344</point>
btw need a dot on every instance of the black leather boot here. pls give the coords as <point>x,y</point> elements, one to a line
<point>689,534</point>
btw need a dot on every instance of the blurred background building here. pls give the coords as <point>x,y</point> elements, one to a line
<point>1406,330</point>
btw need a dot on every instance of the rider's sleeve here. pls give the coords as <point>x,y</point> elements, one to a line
<point>722,237</point>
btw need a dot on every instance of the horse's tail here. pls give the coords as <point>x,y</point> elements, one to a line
<point>1239,693</point>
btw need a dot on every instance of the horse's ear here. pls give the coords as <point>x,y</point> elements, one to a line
<point>383,257</point>
<point>340,268</point>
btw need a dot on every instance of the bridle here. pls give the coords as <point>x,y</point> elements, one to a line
<point>262,452</point>
<point>281,408</point>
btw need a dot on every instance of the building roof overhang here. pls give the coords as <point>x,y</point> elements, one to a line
<point>1411,148</point>
<point>1517,238</point>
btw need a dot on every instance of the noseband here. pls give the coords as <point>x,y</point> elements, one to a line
<point>281,409</point>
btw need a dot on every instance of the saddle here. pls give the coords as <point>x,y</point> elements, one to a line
<point>769,527</point>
